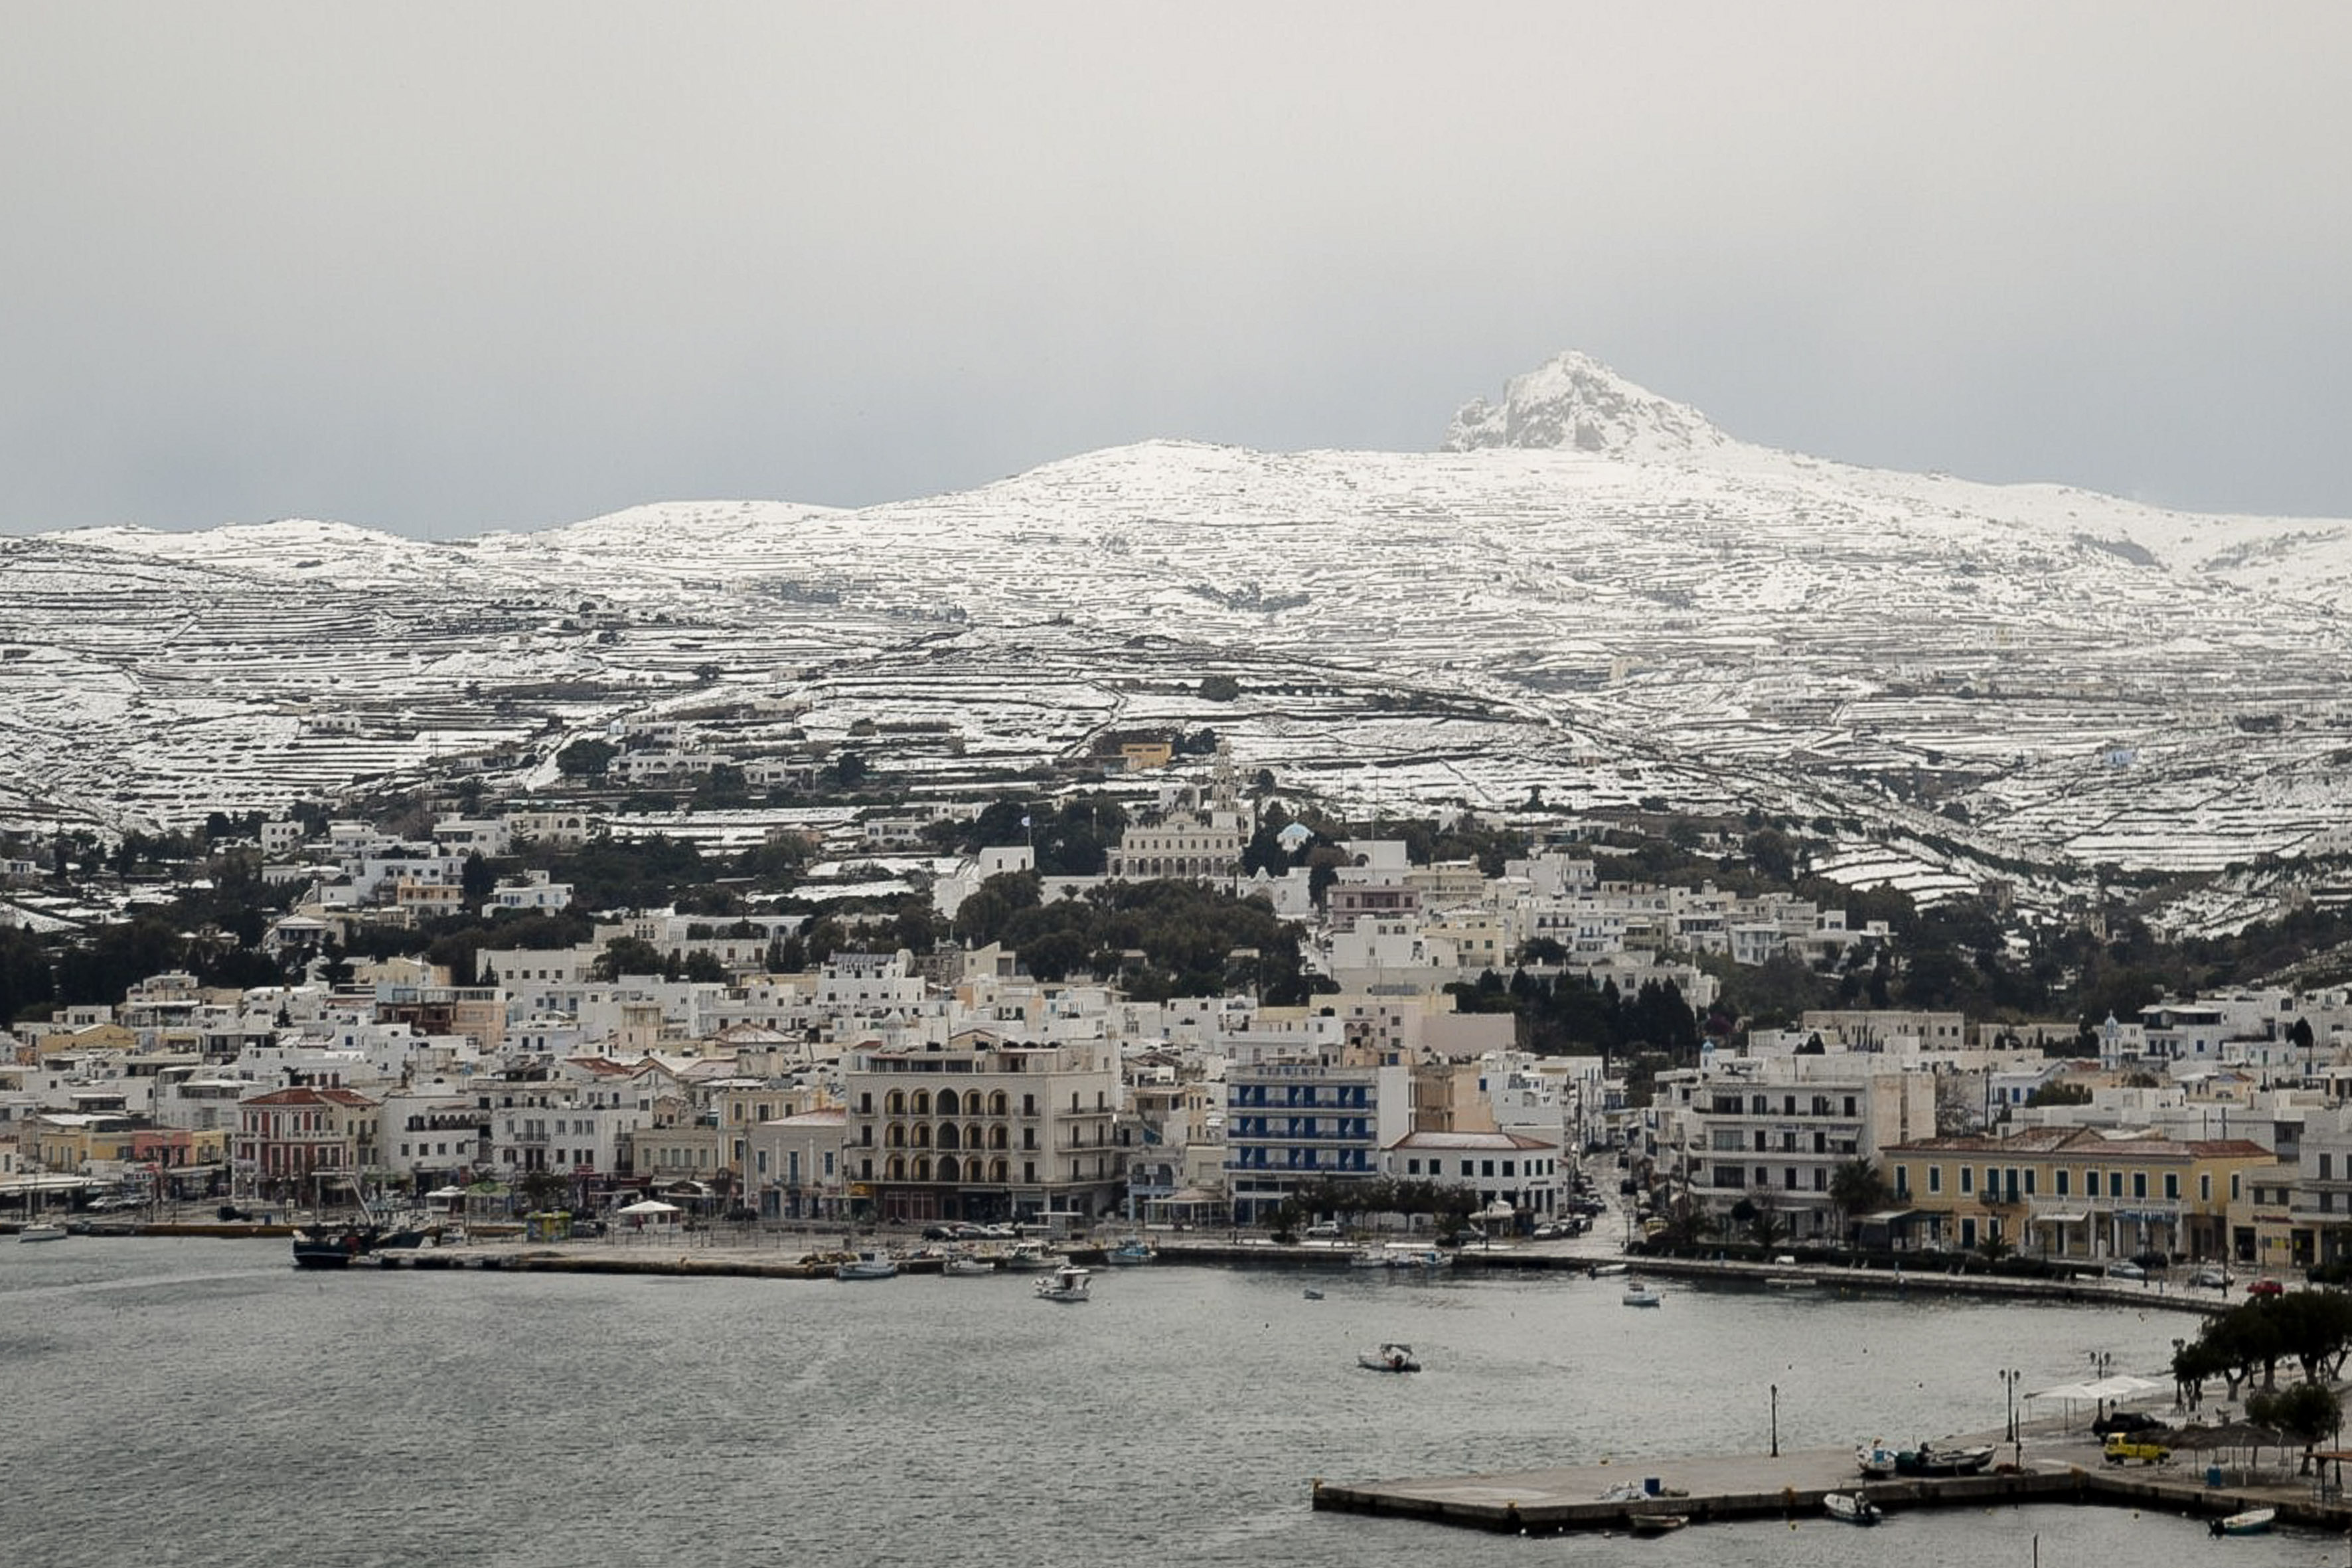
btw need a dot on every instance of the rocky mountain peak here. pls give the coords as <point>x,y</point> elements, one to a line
<point>1575,403</point>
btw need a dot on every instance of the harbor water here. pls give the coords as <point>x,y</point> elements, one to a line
<point>195,1402</point>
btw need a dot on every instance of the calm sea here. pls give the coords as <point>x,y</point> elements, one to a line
<point>200,1402</point>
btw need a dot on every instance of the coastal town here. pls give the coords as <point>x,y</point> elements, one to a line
<point>709,1067</point>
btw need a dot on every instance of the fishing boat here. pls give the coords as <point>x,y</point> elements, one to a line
<point>1601,1270</point>
<point>965,1265</point>
<point>1876,1461</point>
<point>1639,1294</point>
<point>1389,1358</point>
<point>41,1230</point>
<point>1025,1257</point>
<point>1407,1255</point>
<point>2254,1521</point>
<point>1313,1294</point>
<point>1654,1523</point>
<point>1928,1460</point>
<point>1851,1507</point>
<point>1134,1249</point>
<point>1067,1283</point>
<point>868,1265</point>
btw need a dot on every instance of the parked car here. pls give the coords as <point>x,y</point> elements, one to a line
<point>1325,1230</point>
<point>2264,1288</point>
<point>2125,1447</point>
<point>2130,1423</point>
<point>939,1233</point>
<point>2212,1277</point>
<point>2123,1268</point>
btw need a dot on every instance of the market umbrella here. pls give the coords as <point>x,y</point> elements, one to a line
<point>2229,1434</point>
<point>648,1208</point>
<point>2068,1392</point>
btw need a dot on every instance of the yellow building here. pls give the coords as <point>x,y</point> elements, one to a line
<point>2075,1193</point>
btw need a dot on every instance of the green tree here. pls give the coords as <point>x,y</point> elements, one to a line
<point>627,955</point>
<point>587,758</point>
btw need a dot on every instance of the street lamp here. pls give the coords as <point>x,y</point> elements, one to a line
<point>2009,1380</point>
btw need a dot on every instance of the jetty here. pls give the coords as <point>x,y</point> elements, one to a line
<point>1620,1496</point>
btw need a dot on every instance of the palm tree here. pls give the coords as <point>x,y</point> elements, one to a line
<point>1855,1188</point>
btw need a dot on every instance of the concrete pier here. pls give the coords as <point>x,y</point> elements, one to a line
<point>1613,1497</point>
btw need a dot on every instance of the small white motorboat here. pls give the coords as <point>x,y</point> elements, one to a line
<point>1851,1507</point>
<point>2254,1521</point>
<point>1389,1358</point>
<point>965,1265</point>
<point>1639,1294</point>
<point>1653,1523</point>
<point>868,1265</point>
<point>1067,1283</point>
<point>42,1230</point>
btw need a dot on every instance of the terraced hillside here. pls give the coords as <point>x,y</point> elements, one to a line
<point>1646,610</point>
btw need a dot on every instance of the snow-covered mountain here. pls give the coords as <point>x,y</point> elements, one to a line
<point>1579,404</point>
<point>1592,597</point>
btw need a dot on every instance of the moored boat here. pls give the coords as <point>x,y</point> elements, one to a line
<point>1389,1358</point>
<point>1851,1507</point>
<point>332,1245</point>
<point>1876,1461</point>
<point>1639,1294</point>
<point>1134,1249</point>
<point>1067,1283</point>
<point>41,1230</point>
<point>1025,1257</point>
<point>1928,1460</point>
<point>1407,1255</point>
<point>1654,1523</point>
<point>868,1265</point>
<point>965,1265</point>
<point>2253,1521</point>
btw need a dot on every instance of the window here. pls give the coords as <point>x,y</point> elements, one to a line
<point>2139,1184</point>
<point>1968,1178</point>
<point>2115,1183</point>
<point>2205,1186</point>
<point>1902,1180</point>
<point>2172,1185</point>
<point>1935,1178</point>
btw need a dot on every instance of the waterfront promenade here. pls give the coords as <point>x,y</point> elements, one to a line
<point>802,1252</point>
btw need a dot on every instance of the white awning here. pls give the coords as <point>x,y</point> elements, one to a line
<point>2075,1219</point>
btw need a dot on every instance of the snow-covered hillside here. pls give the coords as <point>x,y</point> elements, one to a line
<point>1596,597</point>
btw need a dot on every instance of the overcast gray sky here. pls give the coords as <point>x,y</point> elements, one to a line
<point>447,268</point>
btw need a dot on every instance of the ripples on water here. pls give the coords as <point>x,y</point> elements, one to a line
<point>200,1402</point>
